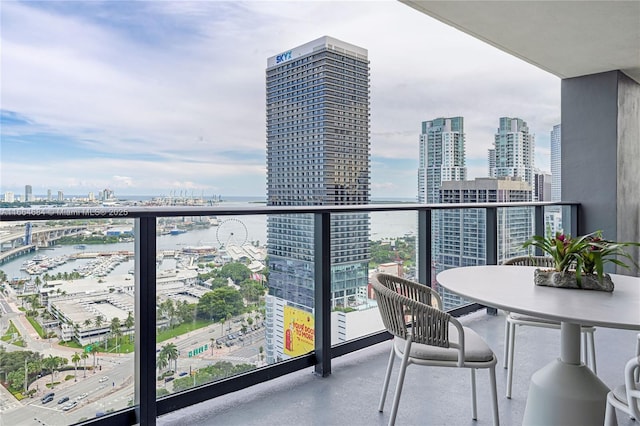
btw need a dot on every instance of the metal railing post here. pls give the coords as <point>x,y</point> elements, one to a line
<point>322,288</point>
<point>491,237</point>
<point>425,254</point>
<point>145,320</point>
<point>538,226</point>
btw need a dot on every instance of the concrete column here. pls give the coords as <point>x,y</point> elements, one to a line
<point>601,154</point>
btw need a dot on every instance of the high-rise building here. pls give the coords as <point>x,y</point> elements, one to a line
<point>442,156</point>
<point>48,195</point>
<point>317,154</point>
<point>9,197</point>
<point>513,149</point>
<point>556,169</point>
<point>462,233</point>
<point>60,196</point>
<point>28,193</point>
<point>542,186</point>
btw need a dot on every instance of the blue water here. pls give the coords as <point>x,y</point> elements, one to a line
<point>252,228</point>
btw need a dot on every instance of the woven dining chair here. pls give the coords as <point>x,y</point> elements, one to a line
<point>426,335</point>
<point>625,397</point>
<point>514,319</point>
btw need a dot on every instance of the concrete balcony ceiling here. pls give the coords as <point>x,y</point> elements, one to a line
<point>565,38</point>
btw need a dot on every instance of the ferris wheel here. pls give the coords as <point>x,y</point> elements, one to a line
<point>231,232</point>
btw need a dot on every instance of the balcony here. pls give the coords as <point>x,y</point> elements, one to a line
<point>431,396</point>
<point>348,375</point>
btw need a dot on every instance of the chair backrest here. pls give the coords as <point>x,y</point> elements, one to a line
<point>632,387</point>
<point>542,261</point>
<point>405,307</point>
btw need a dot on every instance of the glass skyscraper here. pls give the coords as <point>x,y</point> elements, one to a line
<point>318,152</point>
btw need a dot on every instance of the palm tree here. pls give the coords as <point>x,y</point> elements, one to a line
<point>171,352</point>
<point>212,342</point>
<point>94,351</point>
<point>115,328</point>
<point>129,323</point>
<point>98,321</point>
<point>51,363</point>
<point>75,359</point>
<point>162,361</point>
<point>84,355</point>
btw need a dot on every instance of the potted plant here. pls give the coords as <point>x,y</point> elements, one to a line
<point>579,262</point>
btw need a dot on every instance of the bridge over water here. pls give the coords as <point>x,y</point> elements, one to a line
<point>16,244</point>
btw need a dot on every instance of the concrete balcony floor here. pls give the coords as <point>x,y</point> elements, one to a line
<point>431,395</point>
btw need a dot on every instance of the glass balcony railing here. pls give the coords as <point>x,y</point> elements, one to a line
<point>127,313</point>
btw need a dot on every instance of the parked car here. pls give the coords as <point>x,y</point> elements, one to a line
<point>168,379</point>
<point>47,399</point>
<point>82,396</point>
<point>183,373</point>
<point>47,396</point>
<point>103,379</point>
<point>69,406</point>
<point>63,399</point>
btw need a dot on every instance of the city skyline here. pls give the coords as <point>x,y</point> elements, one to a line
<point>152,97</point>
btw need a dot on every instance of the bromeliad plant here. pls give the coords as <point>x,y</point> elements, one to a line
<point>585,255</point>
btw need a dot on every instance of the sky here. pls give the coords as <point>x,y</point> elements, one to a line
<point>161,97</point>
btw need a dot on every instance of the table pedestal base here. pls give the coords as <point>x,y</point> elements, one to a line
<point>565,394</point>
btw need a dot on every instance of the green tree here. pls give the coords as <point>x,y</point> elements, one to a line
<point>98,321</point>
<point>75,359</point>
<point>221,302</point>
<point>84,355</point>
<point>236,271</point>
<point>51,363</point>
<point>162,361</point>
<point>129,322</point>
<point>252,290</point>
<point>170,351</point>
<point>94,350</point>
<point>116,329</point>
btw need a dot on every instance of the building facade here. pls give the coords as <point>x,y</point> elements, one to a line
<point>513,149</point>
<point>28,193</point>
<point>462,240</point>
<point>442,156</point>
<point>556,169</point>
<point>317,154</point>
<point>542,186</point>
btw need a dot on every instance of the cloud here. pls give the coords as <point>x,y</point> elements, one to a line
<point>172,93</point>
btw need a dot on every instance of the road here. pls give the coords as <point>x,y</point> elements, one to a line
<point>117,392</point>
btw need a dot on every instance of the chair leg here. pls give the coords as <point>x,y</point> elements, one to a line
<point>610,418</point>
<point>512,339</point>
<point>506,339</point>
<point>387,377</point>
<point>494,395</point>
<point>474,399</point>
<point>592,350</point>
<point>403,369</point>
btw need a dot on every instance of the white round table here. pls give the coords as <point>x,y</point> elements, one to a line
<point>564,392</point>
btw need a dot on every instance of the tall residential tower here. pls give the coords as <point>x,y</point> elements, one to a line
<point>442,156</point>
<point>317,154</point>
<point>513,149</point>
